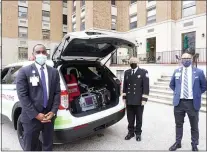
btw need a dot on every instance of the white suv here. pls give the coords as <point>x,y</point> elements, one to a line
<point>98,104</point>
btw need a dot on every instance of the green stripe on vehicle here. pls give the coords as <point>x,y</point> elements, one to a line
<point>60,120</point>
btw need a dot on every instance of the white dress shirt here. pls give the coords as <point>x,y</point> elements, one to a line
<point>46,76</point>
<point>190,80</point>
<point>135,70</point>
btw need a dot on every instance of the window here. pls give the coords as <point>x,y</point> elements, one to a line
<point>65,20</point>
<point>151,15</point>
<point>188,8</point>
<point>82,2</point>
<point>133,21</point>
<point>22,12</point>
<point>46,1</point>
<point>46,34</point>
<point>23,32</point>
<point>188,42</point>
<point>133,1</point>
<point>22,53</point>
<point>64,33</point>
<point>74,27</point>
<point>65,3</point>
<point>82,27</point>
<point>113,22</point>
<point>46,16</point>
<point>74,6</point>
<point>22,1</point>
<point>113,2</point>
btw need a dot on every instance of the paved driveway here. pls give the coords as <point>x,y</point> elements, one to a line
<point>158,134</point>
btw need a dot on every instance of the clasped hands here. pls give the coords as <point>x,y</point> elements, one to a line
<point>45,118</point>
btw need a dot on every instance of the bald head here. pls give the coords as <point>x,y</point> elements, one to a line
<point>186,56</point>
<point>133,60</point>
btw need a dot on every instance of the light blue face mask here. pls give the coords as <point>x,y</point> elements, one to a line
<point>41,59</point>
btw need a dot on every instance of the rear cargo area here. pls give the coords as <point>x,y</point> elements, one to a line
<point>91,87</point>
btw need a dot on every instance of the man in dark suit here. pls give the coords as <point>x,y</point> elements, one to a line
<point>135,93</point>
<point>38,89</point>
<point>188,84</point>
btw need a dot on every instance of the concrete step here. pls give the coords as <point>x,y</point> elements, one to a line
<point>166,76</point>
<point>169,92</point>
<point>163,80</point>
<point>167,102</point>
<point>160,87</point>
<point>168,97</point>
<point>162,83</point>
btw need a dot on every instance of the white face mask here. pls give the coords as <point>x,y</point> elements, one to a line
<point>41,59</point>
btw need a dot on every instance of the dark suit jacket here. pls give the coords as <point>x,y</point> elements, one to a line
<point>31,97</point>
<point>136,87</point>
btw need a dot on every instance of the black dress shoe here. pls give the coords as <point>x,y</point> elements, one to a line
<point>194,148</point>
<point>129,136</point>
<point>138,138</point>
<point>174,147</point>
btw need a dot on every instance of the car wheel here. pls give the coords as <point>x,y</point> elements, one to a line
<point>20,134</point>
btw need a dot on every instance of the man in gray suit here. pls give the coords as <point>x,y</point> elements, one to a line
<point>38,89</point>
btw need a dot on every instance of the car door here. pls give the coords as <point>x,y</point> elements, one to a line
<point>9,93</point>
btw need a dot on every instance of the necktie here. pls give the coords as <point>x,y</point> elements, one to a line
<point>132,72</point>
<point>185,88</point>
<point>44,86</point>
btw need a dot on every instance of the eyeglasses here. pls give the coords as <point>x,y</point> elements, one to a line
<point>43,52</point>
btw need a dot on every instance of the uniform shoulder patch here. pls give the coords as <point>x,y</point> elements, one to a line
<point>146,74</point>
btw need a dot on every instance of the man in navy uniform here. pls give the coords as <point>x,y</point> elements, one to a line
<point>38,89</point>
<point>135,93</point>
<point>188,84</point>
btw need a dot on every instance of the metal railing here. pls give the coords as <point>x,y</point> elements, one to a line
<point>165,57</point>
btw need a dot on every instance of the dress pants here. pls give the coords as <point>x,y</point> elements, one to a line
<point>32,131</point>
<point>135,112</point>
<point>186,106</point>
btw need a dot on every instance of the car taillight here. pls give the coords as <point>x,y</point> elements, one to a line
<point>63,100</point>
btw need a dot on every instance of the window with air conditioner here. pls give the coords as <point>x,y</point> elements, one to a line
<point>73,27</point>
<point>82,26</point>
<point>65,3</point>
<point>74,6</point>
<point>83,2</point>
<point>64,33</point>
<point>46,34</point>
<point>188,8</point>
<point>113,2</point>
<point>46,2</point>
<point>113,22</point>
<point>22,53</point>
<point>22,12</point>
<point>22,1</point>
<point>151,15</point>
<point>133,21</point>
<point>65,19</point>
<point>133,1</point>
<point>23,32</point>
<point>46,16</point>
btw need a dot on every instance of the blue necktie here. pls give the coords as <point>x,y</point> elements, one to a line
<point>185,88</point>
<point>44,86</point>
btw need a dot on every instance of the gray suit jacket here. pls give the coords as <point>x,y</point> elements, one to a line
<point>31,97</point>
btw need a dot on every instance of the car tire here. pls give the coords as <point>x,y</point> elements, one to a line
<point>20,134</point>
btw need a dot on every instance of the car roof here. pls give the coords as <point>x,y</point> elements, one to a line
<point>25,63</point>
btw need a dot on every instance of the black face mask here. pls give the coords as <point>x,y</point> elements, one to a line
<point>133,65</point>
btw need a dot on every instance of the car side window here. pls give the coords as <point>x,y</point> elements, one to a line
<point>10,76</point>
<point>13,74</point>
<point>4,75</point>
